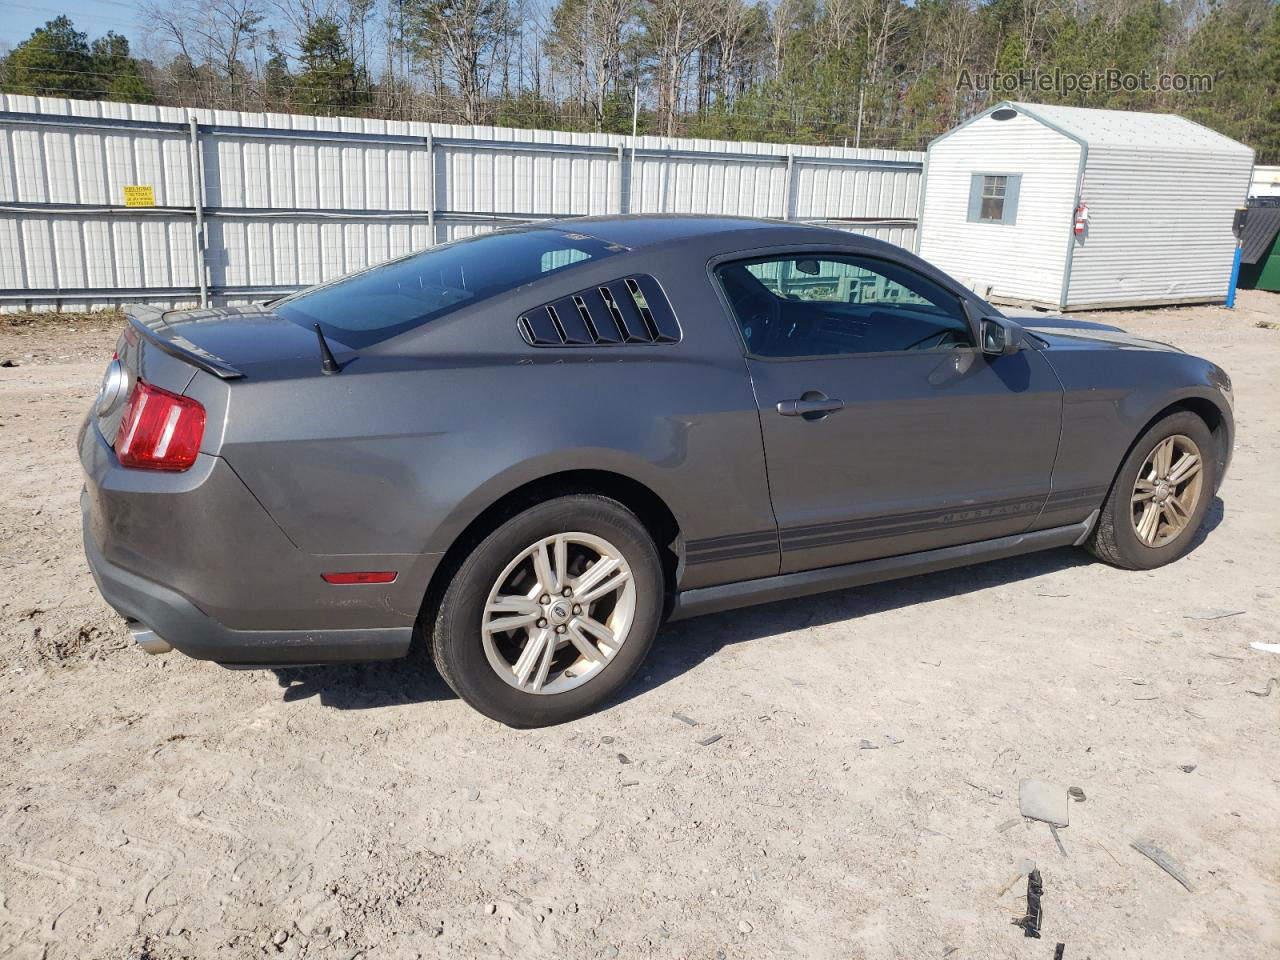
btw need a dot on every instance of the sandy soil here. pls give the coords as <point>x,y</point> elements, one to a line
<point>862,800</point>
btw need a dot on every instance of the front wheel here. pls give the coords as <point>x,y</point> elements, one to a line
<point>552,613</point>
<point>1160,496</point>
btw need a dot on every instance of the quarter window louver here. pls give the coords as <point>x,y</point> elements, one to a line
<point>633,310</point>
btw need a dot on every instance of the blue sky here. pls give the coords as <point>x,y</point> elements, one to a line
<point>94,17</point>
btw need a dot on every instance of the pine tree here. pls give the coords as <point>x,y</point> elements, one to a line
<point>120,75</point>
<point>329,82</point>
<point>58,61</point>
<point>1269,139</point>
<point>54,62</point>
<point>277,82</point>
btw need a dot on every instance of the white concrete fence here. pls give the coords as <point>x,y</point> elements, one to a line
<point>239,206</point>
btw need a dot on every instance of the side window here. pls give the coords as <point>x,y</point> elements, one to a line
<point>558,259</point>
<point>825,305</point>
<point>993,197</point>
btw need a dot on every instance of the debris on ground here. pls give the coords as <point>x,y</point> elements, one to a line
<point>1057,839</point>
<point>867,745</point>
<point>1212,614</point>
<point>708,741</point>
<point>1041,800</point>
<point>995,794</point>
<point>1008,886</point>
<point>1271,683</point>
<point>1266,647</point>
<point>1076,794</point>
<point>1187,767</point>
<point>623,758</point>
<point>1163,861</point>
<point>1059,951</point>
<point>1101,846</point>
<point>1008,824</point>
<point>473,793</point>
<point>1024,867</point>
<point>894,740</point>
<point>1030,923</point>
<point>683,719</point>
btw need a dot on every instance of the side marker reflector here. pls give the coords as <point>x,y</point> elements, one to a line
<point>361,576</point>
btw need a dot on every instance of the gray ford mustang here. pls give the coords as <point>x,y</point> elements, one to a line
<point>528,448</point>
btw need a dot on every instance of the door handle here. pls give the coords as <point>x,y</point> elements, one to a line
<point>812,406</point>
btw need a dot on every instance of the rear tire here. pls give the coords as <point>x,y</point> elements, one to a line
<point>1160,496</point>
<point>520,633</point>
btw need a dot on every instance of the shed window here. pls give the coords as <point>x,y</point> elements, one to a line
<point>993,197</point>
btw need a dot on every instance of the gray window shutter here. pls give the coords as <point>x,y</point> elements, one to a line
<point>975,197</point>
<point>1012,186</point>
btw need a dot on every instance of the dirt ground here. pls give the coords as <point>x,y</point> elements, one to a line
<point>862,800</point>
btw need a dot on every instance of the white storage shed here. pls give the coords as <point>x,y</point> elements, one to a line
<point>1005,191</point>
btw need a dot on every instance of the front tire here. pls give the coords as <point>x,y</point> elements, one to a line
<point>552,613</point>
<point>1160,496</point>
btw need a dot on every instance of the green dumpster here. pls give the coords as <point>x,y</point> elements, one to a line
<point>1260,250</point>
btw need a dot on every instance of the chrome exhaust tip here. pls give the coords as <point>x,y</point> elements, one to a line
<point>147,640</point>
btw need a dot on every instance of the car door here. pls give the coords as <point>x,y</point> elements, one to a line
<point>886,431</point>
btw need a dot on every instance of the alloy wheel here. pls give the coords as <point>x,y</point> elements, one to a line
<point>558,613</point>
<point>1167,491</point>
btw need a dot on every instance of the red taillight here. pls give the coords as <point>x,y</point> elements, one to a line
<point>362,576</point>
<point>160,430</point>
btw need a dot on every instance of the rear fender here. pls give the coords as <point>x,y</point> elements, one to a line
<point>502,484</point>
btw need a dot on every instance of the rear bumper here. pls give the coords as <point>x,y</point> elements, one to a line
<point>194,558</point>
<point>180,623</point>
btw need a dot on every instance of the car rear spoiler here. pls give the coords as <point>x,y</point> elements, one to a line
<point>150,322</point>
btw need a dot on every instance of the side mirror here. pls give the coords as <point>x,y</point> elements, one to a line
<point>1000,336</point>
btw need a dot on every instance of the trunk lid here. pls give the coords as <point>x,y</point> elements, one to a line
<point>169,348</point>
<point>227,341</point>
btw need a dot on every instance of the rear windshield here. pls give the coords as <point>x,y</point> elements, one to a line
<point>402,294</point>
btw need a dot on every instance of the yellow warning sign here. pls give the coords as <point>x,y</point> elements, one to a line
<point>140,196</point>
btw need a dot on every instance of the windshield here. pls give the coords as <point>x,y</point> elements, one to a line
<point>402,294</point>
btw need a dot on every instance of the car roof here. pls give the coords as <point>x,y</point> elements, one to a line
<point>651,230</point>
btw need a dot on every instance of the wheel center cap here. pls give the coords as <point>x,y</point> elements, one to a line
<point>559,612</point>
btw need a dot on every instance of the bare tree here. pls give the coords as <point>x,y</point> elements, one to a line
<point>786,19</point>
<point>457,38</point>
<point>586,39</point>
<point>214,32</point>
<point>880,24</point>
<point>673,30</point>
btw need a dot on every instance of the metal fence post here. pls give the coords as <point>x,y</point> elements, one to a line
<point>786,187</point>
<point>431,187</point>
<point>622,186</point>
<point>197,202</point>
